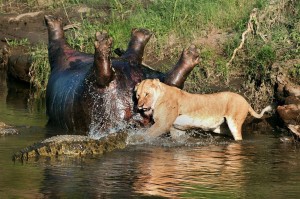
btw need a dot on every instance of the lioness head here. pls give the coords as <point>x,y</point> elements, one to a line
<point>147,93</point>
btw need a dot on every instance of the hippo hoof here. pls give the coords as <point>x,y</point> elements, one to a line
<point>103,42</point>
<point>191,55</point>
<point>51,21</point>
<point>143,35</point>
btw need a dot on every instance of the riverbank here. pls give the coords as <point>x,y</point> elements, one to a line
<point>244,46</point>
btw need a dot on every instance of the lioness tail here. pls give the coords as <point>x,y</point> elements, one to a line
<point>256,115</point>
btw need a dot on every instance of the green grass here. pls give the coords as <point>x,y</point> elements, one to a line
<point>181,19</point>
<point>40,68</point>
<point>282,44</point>
<point>16,42</point>
<point>259,69</point>
<point>295,71</point>
<point>177,24</point>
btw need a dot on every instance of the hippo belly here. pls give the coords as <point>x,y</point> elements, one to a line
<point>64,93</point>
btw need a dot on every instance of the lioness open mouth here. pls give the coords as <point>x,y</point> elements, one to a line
<point>147,111</point>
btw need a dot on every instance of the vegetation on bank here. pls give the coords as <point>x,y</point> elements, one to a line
<point>275,36</point>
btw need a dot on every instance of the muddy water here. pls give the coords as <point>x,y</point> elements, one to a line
<point>206,167</point>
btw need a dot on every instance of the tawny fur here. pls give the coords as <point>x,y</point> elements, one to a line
<point>176,111</point>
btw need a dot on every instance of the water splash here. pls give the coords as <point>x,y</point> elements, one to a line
<point>107,111</point>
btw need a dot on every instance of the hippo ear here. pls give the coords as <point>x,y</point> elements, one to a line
<point>136,86</point>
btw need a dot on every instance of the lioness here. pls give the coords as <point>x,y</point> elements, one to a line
<point>176,111</point>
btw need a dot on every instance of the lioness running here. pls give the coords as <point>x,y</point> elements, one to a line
<point>176,111</point>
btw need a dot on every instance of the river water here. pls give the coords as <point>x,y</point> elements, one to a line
<point>261,166</point>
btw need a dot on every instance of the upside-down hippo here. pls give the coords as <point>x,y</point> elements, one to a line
<point>93,93</point>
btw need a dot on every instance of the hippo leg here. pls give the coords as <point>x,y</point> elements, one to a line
<point>188,60</point>
<point>60,53</point>
<point>55,29</point>
<point>136,46</point>
<point>102,60</point>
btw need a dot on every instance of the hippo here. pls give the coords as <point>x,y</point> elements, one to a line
<point>93,94</point>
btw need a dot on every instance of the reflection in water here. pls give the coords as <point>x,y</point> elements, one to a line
<point>18,95</point>
<point>273,170</point>
<point>16,180</point>
<point>258,167</point>
<point>231,170</point>
<point>17,105</point>
<point>165,173</point>
<point>19,180</point>
<point>3,86</point>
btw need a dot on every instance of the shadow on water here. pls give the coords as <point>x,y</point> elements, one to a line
<point>18,107</point>
<point>205,166</point>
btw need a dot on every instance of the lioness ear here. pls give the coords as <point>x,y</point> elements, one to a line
<point>156,80</point>
<point>136,86</point>
<point>157,83</point>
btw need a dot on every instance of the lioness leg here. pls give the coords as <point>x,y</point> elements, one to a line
<point>164,117</point>
<point>156,130</point>
<point>177,134</point>
<point>235,128</point>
